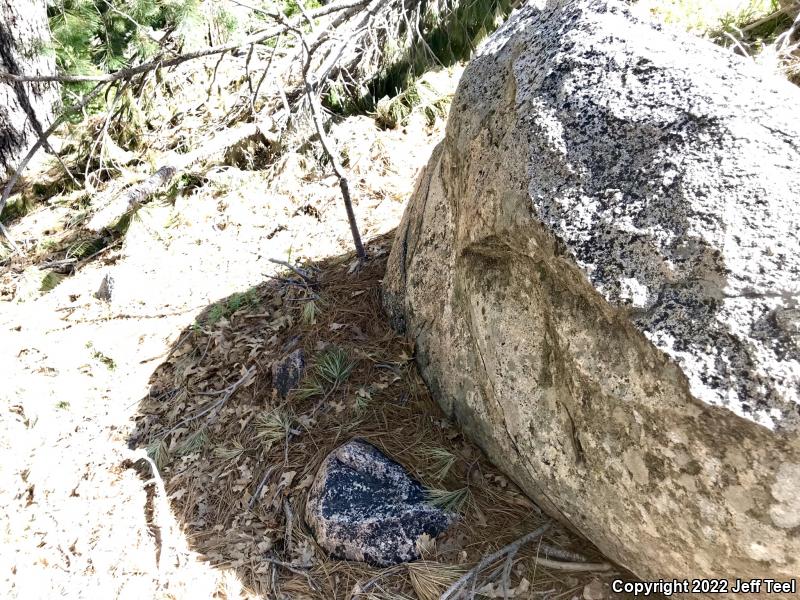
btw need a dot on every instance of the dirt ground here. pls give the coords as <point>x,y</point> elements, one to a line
<point>89,386</point>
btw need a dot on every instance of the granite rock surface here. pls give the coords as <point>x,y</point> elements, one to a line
<point>364,506</point>
<point>600,266</point>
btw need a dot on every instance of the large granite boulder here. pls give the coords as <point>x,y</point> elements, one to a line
<point>600,266</point>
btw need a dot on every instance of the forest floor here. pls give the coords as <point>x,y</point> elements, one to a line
<point>90,385</point>
<point>93,389</point>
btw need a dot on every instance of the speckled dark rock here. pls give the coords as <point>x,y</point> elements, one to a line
<point>287,373</point>
<point>364,506</point>
<point>106,289</point>
<point>600,267</point>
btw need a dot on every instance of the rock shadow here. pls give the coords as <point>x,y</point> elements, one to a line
<point>238,456</point>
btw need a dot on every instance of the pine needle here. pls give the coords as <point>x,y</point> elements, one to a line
<point>430,578</point>
<point>335,366</point>
<point>455,501</point>
<point>194,443</point>
<point>233,452</point>
<point>273,427</point>
<point>441,461</point>
<point>158,452</point>
<point>310,389</point>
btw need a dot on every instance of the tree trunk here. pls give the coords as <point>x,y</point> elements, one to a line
<point>26,109</point>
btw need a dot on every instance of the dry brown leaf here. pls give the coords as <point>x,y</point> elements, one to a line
<point>286,479</point>
<point>496,590</point>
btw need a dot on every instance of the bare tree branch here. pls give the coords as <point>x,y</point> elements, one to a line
<point>161,63</point>
<point>344,186</point>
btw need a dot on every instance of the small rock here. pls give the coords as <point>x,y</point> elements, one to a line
<point>287,373</point>
<point>594,590</point>
<point>106,288</point>
<point>364,506</point>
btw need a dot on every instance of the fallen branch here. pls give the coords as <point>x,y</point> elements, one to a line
<point>161,63</point>
<point>293,569</point>
<point>305,276</point>
<point>508,550</point>
<point>561,554</point>
<point>136,195</point>
<point>573,566</point>
<point>287,509</point>
<point>787,9</point>
<point>132,198</point>
<point>257,493</point>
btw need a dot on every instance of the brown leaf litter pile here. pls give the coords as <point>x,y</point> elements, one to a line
<point>237,460</point>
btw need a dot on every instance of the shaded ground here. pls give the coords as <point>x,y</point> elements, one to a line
<point>256,443</point>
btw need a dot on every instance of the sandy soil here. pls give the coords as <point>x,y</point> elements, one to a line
<point>74,367</point>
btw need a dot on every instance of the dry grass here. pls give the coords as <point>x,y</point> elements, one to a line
<point>365,384</point>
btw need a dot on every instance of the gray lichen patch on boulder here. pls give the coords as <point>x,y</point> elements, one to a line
<point>600,266</point>
<point>671,177</point>
<point>363,506</point>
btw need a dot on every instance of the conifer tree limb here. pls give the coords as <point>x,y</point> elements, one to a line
<point>161,62</point>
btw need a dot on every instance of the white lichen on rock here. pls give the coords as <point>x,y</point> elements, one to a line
<point>676,194</point>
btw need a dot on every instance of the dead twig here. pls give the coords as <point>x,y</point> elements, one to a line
<point>573,566</point>
<point>344,186</point>
<point>307,277</point>
<point>293,569</point>
<point>76,264</point>
<point>561,554</point>
<point>257,492</point>
<point>214,407</point>
<point>287,509</point>
<point>510,549</point>
<point>360,589</point>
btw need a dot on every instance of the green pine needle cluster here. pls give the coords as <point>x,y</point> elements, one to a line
<point>334,366</point>
<point>420,95</point>
<point>454,501</point>
<point>332,369</point>
<point>99,36</point>
<point>273,427</point>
